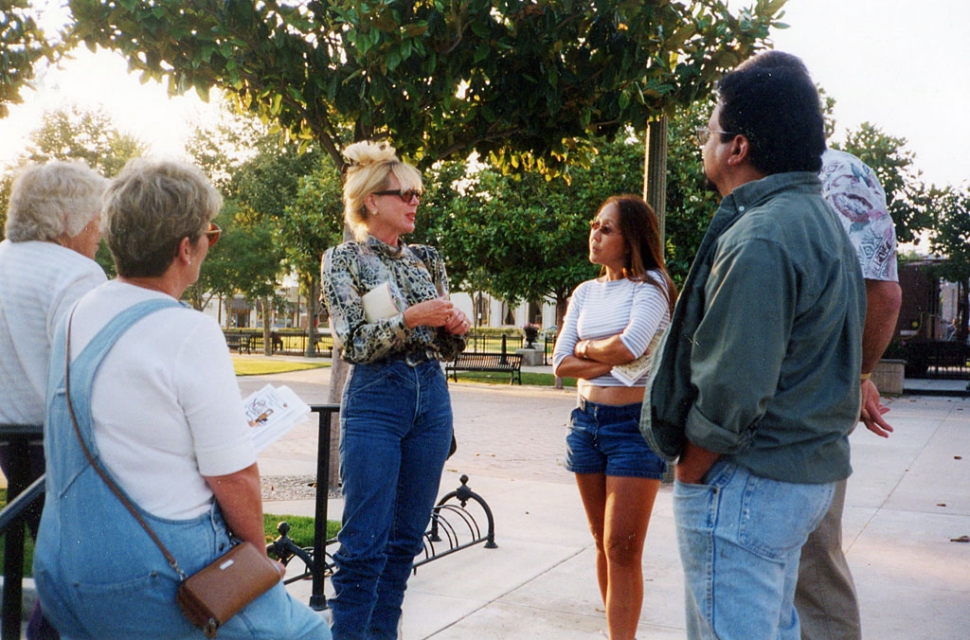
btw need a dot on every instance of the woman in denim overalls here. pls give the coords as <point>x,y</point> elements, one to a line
<point>155,398</point>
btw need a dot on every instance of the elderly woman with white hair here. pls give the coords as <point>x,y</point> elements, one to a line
<point>147,385</point>
<point>46,264</point>
<point>389,306</point>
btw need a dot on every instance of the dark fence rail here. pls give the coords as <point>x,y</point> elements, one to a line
<point>293,342</point>
<point>488,343</point>
<point>20,497</point>
<point>290,342</point>
<point>936,359</point>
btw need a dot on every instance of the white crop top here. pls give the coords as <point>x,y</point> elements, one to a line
<point>599,309</point>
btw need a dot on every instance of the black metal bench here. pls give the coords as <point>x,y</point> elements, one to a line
<point>501,362</point>
<point>239,341</point>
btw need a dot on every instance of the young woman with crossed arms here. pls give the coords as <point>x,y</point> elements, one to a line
<point>613,320</point>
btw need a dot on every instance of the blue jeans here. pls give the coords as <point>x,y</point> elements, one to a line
<point>740,537</point>
<point>395,432</point>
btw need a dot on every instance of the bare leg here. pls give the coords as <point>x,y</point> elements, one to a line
<point>618,510</point>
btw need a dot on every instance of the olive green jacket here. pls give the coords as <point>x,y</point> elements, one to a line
<point>762,358</point>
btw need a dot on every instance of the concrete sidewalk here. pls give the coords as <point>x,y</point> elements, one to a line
<point>908,500</point>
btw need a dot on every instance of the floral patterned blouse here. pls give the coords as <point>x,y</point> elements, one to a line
<point>415,273</point>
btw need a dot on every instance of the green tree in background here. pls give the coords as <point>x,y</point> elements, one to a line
<point>88,135</point>
<point>525,237</point>
<point>313,222</point>
<point>22,45</point>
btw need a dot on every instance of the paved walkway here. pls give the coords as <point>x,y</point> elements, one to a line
<point>908,499</point>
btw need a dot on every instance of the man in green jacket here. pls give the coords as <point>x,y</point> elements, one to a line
<point>756,386</point>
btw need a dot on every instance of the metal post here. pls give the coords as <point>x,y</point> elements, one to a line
<point>318,601</point>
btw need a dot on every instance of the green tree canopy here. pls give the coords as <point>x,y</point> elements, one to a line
<point>524,237</point>
<point>75,133</point>
<point>88,135</point>
<point>524,84</point>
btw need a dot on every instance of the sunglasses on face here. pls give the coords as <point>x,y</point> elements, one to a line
<point>605,229</point>
<point>405,196</point>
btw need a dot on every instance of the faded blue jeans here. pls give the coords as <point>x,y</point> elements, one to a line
<point>740,538</point>
<point>99,576</point>
<point>395,433</point>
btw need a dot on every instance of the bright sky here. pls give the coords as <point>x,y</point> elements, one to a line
<point>899,64</point>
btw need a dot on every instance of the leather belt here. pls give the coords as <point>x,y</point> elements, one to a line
<point>414,358</point>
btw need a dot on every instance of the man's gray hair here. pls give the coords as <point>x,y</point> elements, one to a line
<point>50,200</point>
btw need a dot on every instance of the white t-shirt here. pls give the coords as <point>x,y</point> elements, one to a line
<point>39,282</point>
<point>604,308</point>
<point>166,407</point>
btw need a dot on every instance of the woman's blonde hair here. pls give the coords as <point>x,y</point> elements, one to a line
<point>53,199</point>
<point>369,165</point>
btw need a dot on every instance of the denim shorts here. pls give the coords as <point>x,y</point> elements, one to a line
<point>606,439</point>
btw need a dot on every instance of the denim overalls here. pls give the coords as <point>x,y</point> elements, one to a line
<point>99,576</point>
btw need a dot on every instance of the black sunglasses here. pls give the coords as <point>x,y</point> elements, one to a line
<point>405,196</point>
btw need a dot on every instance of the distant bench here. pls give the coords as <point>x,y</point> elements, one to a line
<point>503,363</point>
<point>239,342</point>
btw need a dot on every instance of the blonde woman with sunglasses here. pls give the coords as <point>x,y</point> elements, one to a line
<point>390,312</point>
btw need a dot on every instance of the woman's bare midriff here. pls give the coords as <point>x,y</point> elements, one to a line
<point>614,396</point>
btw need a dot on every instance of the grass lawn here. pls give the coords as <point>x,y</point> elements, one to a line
<point>264,366</point>
<point>301,528</point>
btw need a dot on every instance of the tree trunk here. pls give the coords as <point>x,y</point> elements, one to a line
<point>312,311</point>
<point>267,327</point>
<point>338,376</point>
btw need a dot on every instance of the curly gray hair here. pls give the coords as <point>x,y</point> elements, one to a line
<point>149,208</point>
<point>52,200</point>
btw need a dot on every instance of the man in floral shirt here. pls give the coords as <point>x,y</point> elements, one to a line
<point>825,596</point>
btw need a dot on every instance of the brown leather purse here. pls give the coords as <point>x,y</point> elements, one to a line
<point>218,591</point>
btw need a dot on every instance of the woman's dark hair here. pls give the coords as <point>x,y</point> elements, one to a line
<point>771,100</point>
<point>641,234</point>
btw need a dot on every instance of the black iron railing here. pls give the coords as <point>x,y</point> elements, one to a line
<point>453,527</point>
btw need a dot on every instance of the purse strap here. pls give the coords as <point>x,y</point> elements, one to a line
<point>97,467</point>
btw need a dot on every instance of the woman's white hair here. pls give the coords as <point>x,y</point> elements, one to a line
<point>369,164</point>
<point>50,200</point>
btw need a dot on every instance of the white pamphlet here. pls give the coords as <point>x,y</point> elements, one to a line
<point>379,303</point>
<point>630,372</point>
<point>272,412</point>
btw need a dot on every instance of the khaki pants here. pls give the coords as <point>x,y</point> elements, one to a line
<point>825,595</point>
